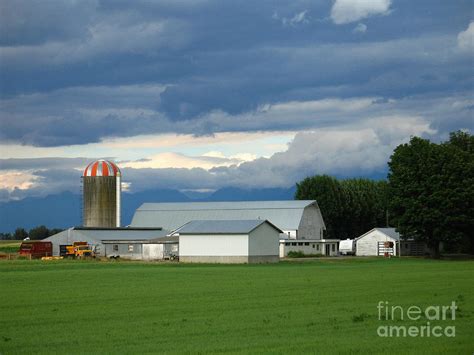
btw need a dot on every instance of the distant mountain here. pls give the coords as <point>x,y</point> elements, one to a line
<point>64,210</point>
<point>54,211</point>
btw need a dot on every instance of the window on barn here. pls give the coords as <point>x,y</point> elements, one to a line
<point>115,247</point>
<point>306,243</point>
<point>317,247</point>
<point>334,247</point>
<point>293,244</point>
<point>313,245</point>
<point>300,244</point>
<point>130,247</point>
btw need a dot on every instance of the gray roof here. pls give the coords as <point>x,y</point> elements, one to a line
<point>390,232</point>
<point>284,214</point>
<point>223,227</point>
<point>100,234</point>
<point>160,240</point>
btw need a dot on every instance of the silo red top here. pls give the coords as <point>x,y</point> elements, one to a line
<point>102,167</point>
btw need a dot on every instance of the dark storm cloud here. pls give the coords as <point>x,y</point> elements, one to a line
<point>27,22</point>
<point>74,72</point>
<point>42,163</point>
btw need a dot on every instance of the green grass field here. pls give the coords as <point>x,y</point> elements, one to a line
<point>10,246</point>
<point>323,306</point>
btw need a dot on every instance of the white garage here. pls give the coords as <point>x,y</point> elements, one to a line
<point>373,243</point>
<point>228,241</point>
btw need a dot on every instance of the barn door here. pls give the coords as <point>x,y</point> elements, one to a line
<point>382,248</point>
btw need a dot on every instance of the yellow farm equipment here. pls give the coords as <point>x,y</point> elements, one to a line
<point>78,250</point>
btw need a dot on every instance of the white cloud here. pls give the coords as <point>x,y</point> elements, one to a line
<point>16,179</point>
<point>347,11</point>
<point>299,18</point>
<point>466,38</point>
<point>205,161</point>
<point>360,28</point>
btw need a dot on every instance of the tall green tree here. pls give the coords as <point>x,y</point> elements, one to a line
<point>366,205</point>
<point>327,191</point>
<point>432,189</point>
<point>349,207</point>
<point>39,232</point>
<point>20,234</point>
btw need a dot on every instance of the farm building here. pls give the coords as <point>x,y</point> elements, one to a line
<point>373,242</point>
<point>327,247</point>
<point>228,241</point>
<point>297,219</point>
<point>131,243</point>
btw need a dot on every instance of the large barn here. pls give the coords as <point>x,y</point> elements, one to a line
<point>300,219</point>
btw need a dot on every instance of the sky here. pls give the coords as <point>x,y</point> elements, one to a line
<point>199,95</point>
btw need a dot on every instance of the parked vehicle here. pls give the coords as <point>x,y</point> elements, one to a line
<point>347,247</point>
<point>35,249</point>
<point>77,250</point>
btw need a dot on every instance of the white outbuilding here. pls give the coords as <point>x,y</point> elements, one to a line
<point>379,241</point>
<point>376,242</point>
<point>228,241</point>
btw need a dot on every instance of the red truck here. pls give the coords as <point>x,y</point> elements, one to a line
<point>36,249</point>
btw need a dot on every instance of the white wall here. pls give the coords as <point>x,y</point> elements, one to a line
<point>368,244</point>
<point>307,247</point>
<point>311,224</point>
<point>264,240</point>
<point>214,245</point>
<point>152,251</point>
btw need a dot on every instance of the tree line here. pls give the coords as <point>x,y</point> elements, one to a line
<point>36,233</point>
<point>428,196</point>
<point>350,207</point>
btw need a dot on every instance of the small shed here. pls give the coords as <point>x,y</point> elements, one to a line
<point>229,241</point>
<point>376,242</point>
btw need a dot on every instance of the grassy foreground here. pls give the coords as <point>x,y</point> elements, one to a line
<point>323,306</point>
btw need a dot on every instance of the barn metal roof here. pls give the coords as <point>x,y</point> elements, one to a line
<point>223,227</point>
<point>389,232</point>
<point>100,234</point>
<point>284,214</point>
